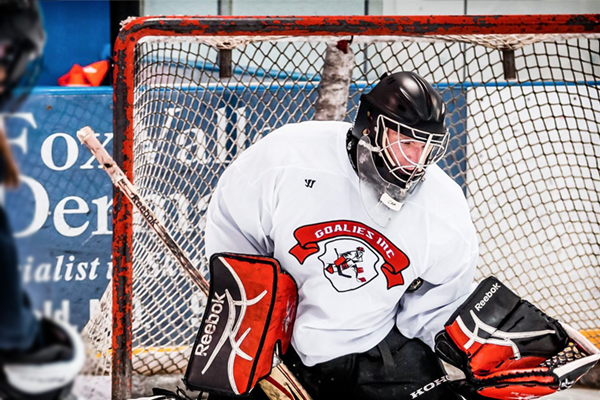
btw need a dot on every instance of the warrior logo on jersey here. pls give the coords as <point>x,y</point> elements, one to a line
<point>352,253</point>
<point>349,269</point>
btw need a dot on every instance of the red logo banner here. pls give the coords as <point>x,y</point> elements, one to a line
<point>309,236</point>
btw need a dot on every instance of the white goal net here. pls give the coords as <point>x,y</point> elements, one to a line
<point>523,114</point>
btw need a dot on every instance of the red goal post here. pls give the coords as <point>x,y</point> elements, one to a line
<point>190,93</point>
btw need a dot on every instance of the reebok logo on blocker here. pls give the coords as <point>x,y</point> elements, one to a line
<point>211,325</point>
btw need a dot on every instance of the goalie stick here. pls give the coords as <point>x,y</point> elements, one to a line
<point>280,384</point>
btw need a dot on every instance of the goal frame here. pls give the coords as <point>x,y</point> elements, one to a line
<point>133,30</point>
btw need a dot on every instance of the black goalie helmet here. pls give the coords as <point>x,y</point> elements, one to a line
<point>22,39</point>
<point>399,130</point>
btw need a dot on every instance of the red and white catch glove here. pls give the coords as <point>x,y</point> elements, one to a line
<point>509,349</point>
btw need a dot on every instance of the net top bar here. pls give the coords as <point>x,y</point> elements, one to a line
<point>360,25</point>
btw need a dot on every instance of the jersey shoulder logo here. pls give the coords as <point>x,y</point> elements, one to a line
<point>351,253</point>
<point>309,183</point>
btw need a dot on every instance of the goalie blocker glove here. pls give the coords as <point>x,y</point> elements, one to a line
<point>249,316</point>
<point>509,349</point>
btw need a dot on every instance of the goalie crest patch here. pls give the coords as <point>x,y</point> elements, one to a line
<point>250,311</point>
<point>352,253</point>
<point>349,264</point>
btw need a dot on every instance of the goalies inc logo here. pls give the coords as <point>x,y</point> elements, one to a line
<point>351,253</point>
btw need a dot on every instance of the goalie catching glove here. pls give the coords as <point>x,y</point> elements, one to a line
<point>509,349</point>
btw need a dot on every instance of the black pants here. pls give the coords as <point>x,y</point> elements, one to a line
<point>18,325</point>
<point>398,368</point>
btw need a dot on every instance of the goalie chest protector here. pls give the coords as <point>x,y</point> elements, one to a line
<point>250,311</point>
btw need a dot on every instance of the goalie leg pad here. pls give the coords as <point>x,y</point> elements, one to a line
<point>250,311</point>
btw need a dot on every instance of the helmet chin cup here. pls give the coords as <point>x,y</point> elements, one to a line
<point>381,199</point>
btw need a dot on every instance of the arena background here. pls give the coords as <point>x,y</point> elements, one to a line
<point>61,214</point>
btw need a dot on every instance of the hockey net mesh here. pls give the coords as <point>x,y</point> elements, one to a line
<point>524,151</point>
<point>570,353</point>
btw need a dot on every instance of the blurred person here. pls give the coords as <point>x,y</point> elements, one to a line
<point>39,358</point>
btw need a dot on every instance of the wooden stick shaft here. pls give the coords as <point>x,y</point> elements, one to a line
<point>281,384</point>
<point>88,138</point>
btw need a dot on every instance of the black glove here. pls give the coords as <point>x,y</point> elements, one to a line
<point>509,348</point>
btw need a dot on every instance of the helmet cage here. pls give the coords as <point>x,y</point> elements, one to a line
<point>408,170</point>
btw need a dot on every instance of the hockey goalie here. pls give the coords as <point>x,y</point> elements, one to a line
<point>380,243</point>
<point>382,262</point>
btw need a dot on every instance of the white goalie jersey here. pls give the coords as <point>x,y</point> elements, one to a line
<point>295,196</point>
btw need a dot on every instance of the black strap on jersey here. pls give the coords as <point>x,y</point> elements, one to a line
<point>351,142</point>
